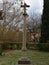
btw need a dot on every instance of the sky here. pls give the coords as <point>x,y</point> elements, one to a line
<point>35,6</point>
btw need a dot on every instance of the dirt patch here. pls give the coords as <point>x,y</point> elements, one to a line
<point>8,51</point>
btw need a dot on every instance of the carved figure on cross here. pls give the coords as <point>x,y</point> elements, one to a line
<point>25,6</point>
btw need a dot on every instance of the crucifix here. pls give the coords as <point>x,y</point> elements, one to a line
<point>24,26</point>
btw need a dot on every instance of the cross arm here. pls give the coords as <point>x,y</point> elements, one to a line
<point>25,5</point>
<point>22,5</point>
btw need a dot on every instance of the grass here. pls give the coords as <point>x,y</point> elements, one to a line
<point>37,58</point>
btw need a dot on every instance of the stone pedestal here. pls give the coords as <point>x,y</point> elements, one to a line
<point>24,61</point>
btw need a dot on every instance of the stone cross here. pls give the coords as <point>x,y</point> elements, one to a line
<point>24,26</point>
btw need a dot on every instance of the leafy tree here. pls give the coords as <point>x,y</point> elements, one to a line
<point>45,23</point>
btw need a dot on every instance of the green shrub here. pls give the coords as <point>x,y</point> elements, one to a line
<point>1,49</point>
<point>19,46</point>
<point>31,46</point>
<point>43,46</point>
<point>10,46</point>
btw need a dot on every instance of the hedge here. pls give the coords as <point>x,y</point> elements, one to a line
<point>18,46</point>
<point>43,46</point>
<point>9,46</point>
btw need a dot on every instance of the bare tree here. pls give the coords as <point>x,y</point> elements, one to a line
<point>10,19</point>
<point>33,28</point>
